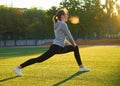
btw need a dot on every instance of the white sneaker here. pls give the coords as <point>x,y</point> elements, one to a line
<point>17,71</point>
<point>84,69</point>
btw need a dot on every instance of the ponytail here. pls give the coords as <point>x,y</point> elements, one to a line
<point>55,19</point>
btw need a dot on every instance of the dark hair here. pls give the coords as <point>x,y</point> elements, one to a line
<point>58,15</point>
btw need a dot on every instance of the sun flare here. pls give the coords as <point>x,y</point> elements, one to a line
<point>118,2</point>
<point>102,2</point>
<point>74,19</point>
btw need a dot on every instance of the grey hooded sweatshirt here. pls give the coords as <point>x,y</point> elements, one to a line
<point>62,34</point>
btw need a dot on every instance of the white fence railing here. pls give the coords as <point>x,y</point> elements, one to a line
<point>24,42</point>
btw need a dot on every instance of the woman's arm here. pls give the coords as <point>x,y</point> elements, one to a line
<point>68,34</point>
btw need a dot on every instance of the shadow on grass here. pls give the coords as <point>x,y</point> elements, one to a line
<point>67,79</point>
<point>6,79</point>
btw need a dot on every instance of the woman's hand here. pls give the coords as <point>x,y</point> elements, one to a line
<point>74,45</point>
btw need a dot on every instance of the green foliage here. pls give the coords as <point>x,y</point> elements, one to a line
<point>11,21</point>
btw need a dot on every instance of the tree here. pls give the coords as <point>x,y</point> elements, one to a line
<point>86,11</point>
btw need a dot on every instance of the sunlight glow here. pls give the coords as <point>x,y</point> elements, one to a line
<point>102,2</point>
<point>74,19</point>
<point>115,10</point>
<point>118,2</point>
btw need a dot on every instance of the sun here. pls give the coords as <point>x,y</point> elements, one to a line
<point>102,2</point>
<point>118,2</point>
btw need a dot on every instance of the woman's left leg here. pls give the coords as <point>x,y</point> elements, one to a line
<point>77,56</point>
<point>70,48</point>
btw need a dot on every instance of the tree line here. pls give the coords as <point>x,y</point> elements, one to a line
<point>96,20</point>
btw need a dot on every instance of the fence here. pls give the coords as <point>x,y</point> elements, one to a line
<point>23,42</point>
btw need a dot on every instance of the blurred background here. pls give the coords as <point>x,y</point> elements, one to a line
<point>29,23</point>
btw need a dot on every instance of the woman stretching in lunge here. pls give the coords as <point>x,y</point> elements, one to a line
<point>60,45</point>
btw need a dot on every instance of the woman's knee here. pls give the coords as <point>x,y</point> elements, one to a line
<point>76,48</point>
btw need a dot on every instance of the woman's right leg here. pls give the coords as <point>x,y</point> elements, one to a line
<point>54,49</point>
<point>41,58</point>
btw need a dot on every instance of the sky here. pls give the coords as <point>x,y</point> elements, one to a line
<point>43,4</point>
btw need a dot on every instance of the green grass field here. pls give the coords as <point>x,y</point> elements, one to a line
<point>62,70</point>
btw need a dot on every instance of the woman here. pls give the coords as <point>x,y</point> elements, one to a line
<point>62,43</point>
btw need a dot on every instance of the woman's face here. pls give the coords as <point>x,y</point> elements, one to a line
<point>64,17</point>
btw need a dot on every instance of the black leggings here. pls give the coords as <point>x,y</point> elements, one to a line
<point>54,49</point>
